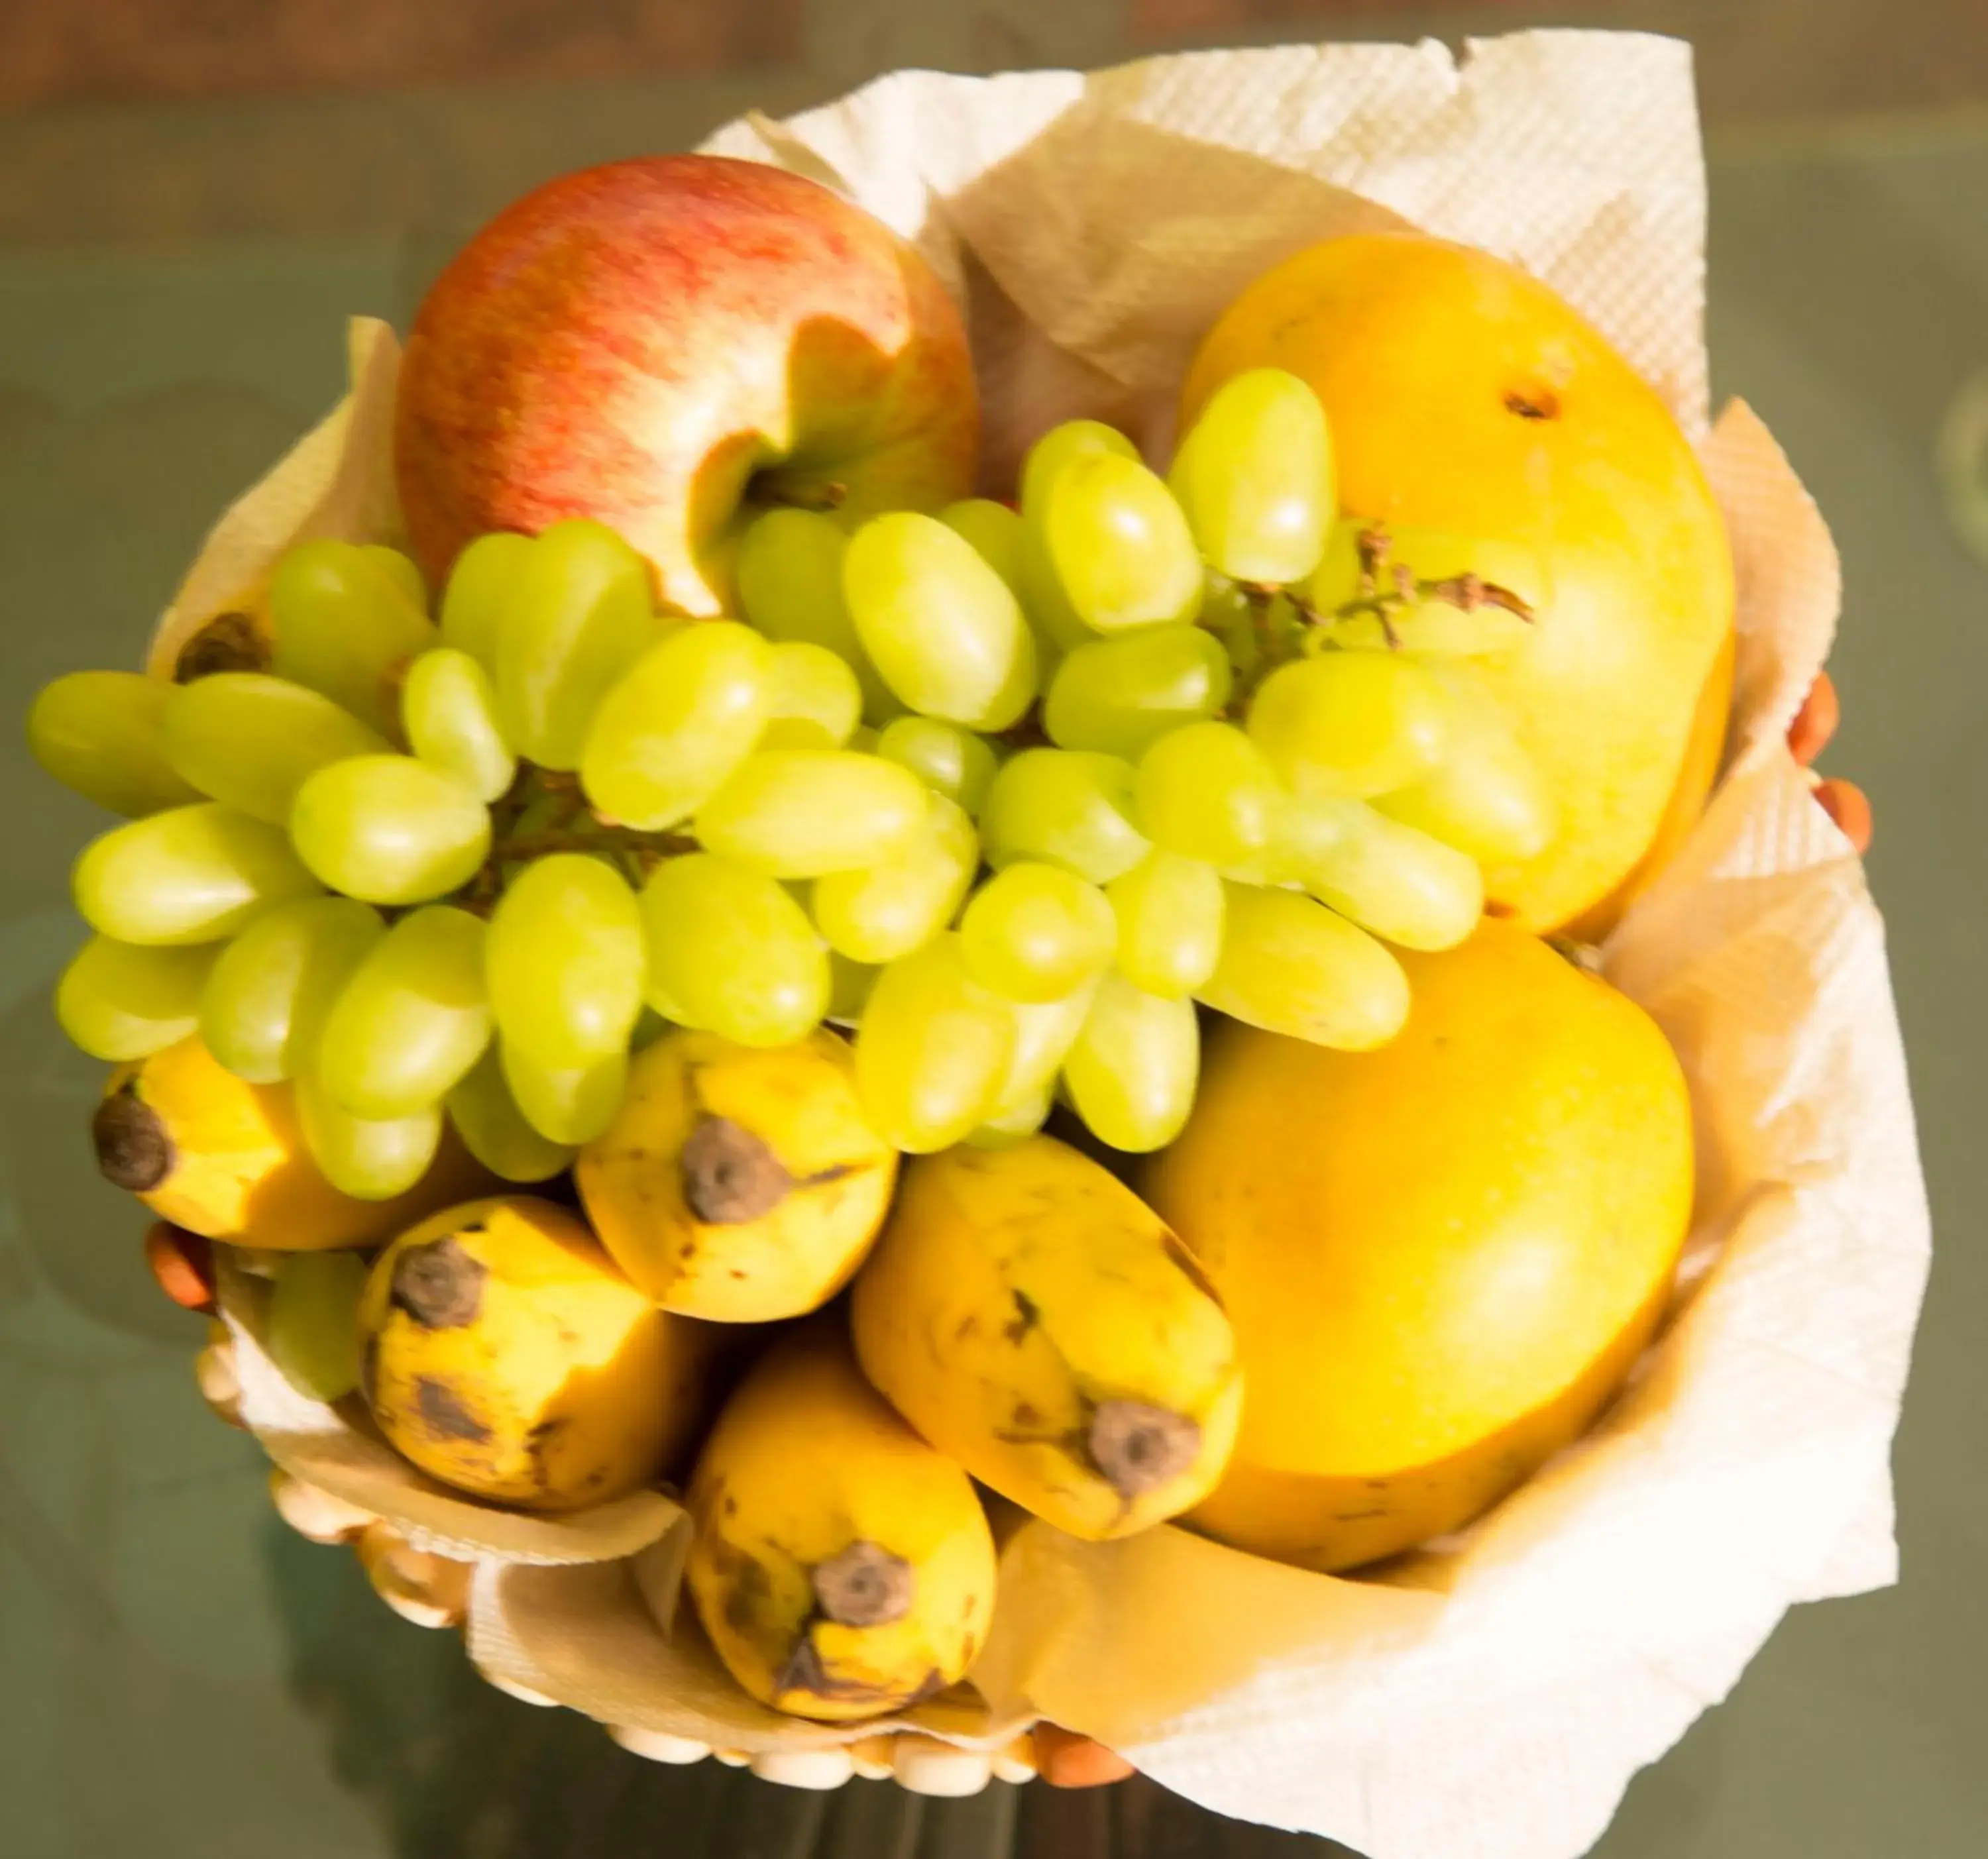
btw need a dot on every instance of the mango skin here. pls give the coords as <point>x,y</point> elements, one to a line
<point>519,1366</point>
<point>1021,1297</point>
<point>1464,395</point>
<point>239,1171</point>
<point>807,1462</point>
<point>1441,1258</point>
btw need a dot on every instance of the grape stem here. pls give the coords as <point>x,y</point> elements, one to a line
<point>570,826</point>
<point>1387,589</point>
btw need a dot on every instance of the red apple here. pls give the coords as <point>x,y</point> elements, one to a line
<point>670,344</point>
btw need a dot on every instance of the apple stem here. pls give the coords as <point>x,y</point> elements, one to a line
<point>822,498</point>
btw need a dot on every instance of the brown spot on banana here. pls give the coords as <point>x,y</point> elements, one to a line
<point>445,1413</point>
<point>1138,1447</point>
<point>228,642</point>
<point>133,1151</point>
<point>804,1671</point>
<point>1028,1314</point>
<point>438,1285</point>
<point>864,1586</point>
<point>730,1175</point>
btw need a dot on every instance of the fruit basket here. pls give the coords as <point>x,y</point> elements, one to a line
<point>1425,1664</point>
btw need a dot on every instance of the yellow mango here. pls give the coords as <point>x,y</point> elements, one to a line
<point>1465,396</point>
<point>1440,1259</point>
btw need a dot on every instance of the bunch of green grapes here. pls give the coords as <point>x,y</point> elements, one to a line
<point>1005,791</point>
<point>1261,755</point>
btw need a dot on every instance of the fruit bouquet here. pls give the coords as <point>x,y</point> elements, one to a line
<point>993,910</point>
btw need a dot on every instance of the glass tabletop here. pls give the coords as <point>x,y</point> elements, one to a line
<point>185,1676</point>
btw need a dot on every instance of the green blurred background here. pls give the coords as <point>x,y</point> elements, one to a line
<point>193,195</point>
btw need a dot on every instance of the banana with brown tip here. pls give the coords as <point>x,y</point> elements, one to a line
<point>1031,1316</point>
<point>738,1183</point>
<point>505,1356</point>
<point>842,1567</point>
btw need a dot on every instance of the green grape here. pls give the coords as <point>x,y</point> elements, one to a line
<point>678,724</point>
<point>1044,1033</point>
<point>412,1019</point>
<point>1131,1073</point>
<point>1015,1123</point>
<point>875,915</point>
<point>1208,793</point>
<point>1033,932</point>
<point>579,616</point>
<point>1358,723</point>
<point>996,534</point>
<point>1057,623</point>
<point>565,961</point>
<point>343,625</point>
<point>789,569</point>
<point>495,1130</point>
<point>1119,696</point>
<point>1066,807</point>
<point>313,1332</point>
<point>266,1000</point>
<point>932,1050</point>
<point>813,699</point>
<point>1290,965</point>
<point>801,812</point>
<point>732,952</point>
<point>849,987</point>
<point>943,629</point>
<point>1487,797</point>
<point>949,760</point>
<point>1169,911</point>
<point>1439,613</point>
<point>251,740</point>
<point>474,603</point>
<point>1119,546</point>
<point>120,1000</point>
<point>449,710</point>
<point>1254,477</point>
<point>192,874</point>
<point>1407,887</point>
<point>570,1107</point>
<point>370,1159</point>
<point>389,829</point>
<point>1061,445</point>
<point>401,570</point>
<point>100,733</point>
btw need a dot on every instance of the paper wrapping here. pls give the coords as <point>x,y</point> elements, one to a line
<point>1490,1697</point>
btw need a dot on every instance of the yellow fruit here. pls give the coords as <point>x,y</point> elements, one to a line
<point>1031,1316</point>
<point>227,1159</point>
<point>842,1567</point>
<point>1466,397</point>
<point>739,1184</point>
<point>505,1356</point>
<point>1440,1257</point>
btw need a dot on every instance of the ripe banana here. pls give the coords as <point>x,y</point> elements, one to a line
<point>1032,1317</point>
<point>841,1566</point>
<point>738,1184</point>
<point>226,1159</point>
<point>505,1356</point>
